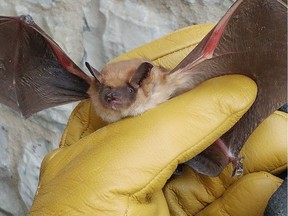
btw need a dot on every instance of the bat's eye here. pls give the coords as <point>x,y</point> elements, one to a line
<point>107,88</point>
<point>130,89</point>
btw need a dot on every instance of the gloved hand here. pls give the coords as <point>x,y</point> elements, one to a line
<point>265,155</point>
<point>123,168</point>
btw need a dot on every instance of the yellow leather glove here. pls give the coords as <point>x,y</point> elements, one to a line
<point>123,168</point>
<point>265,154</point>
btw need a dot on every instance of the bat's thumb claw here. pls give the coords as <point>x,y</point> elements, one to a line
<point>27,19</point>
<point>237,166</point>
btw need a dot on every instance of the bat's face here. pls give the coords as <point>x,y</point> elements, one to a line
<point>117,98</point>
<point>117,87</point>
<point>120,81</point>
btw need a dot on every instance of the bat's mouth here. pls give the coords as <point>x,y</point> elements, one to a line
<point>114,103</point>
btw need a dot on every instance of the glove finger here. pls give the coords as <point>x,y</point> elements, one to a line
<point>266,148</point>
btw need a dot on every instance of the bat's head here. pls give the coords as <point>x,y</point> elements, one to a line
<point>117,86</point>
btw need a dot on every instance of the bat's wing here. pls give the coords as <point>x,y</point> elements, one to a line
<point>34,72</point>
<point>250,39</point>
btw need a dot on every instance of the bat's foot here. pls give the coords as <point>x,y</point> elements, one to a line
<point>237,166</point>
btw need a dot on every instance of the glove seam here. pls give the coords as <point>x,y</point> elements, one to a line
<point>175,51</point>
<point>87,125</point>
<point>74,114</point>
<point>282,114</point>
<point>279,168</point>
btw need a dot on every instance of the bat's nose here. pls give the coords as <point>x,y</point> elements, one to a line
<point>112,96</point>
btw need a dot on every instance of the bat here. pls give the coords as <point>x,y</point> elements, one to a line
<point>251,39</point>
<point>129,88</point>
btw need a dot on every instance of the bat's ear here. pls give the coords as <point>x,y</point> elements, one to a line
<point>141,73</point>
<point>93,72</point>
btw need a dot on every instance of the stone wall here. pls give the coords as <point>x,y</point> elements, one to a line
<point>88,30</point>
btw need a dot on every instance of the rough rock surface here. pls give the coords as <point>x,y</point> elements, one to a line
<point>88,30</point>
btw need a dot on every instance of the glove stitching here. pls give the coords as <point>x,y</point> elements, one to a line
<point>87,125</point>
<point>282,114</point>
<point>189,46</point>
<point>279,168</point>
<point>64,138</point>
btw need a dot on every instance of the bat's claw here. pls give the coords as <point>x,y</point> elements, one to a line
<point>237,166</point>
<point>27,19</point>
